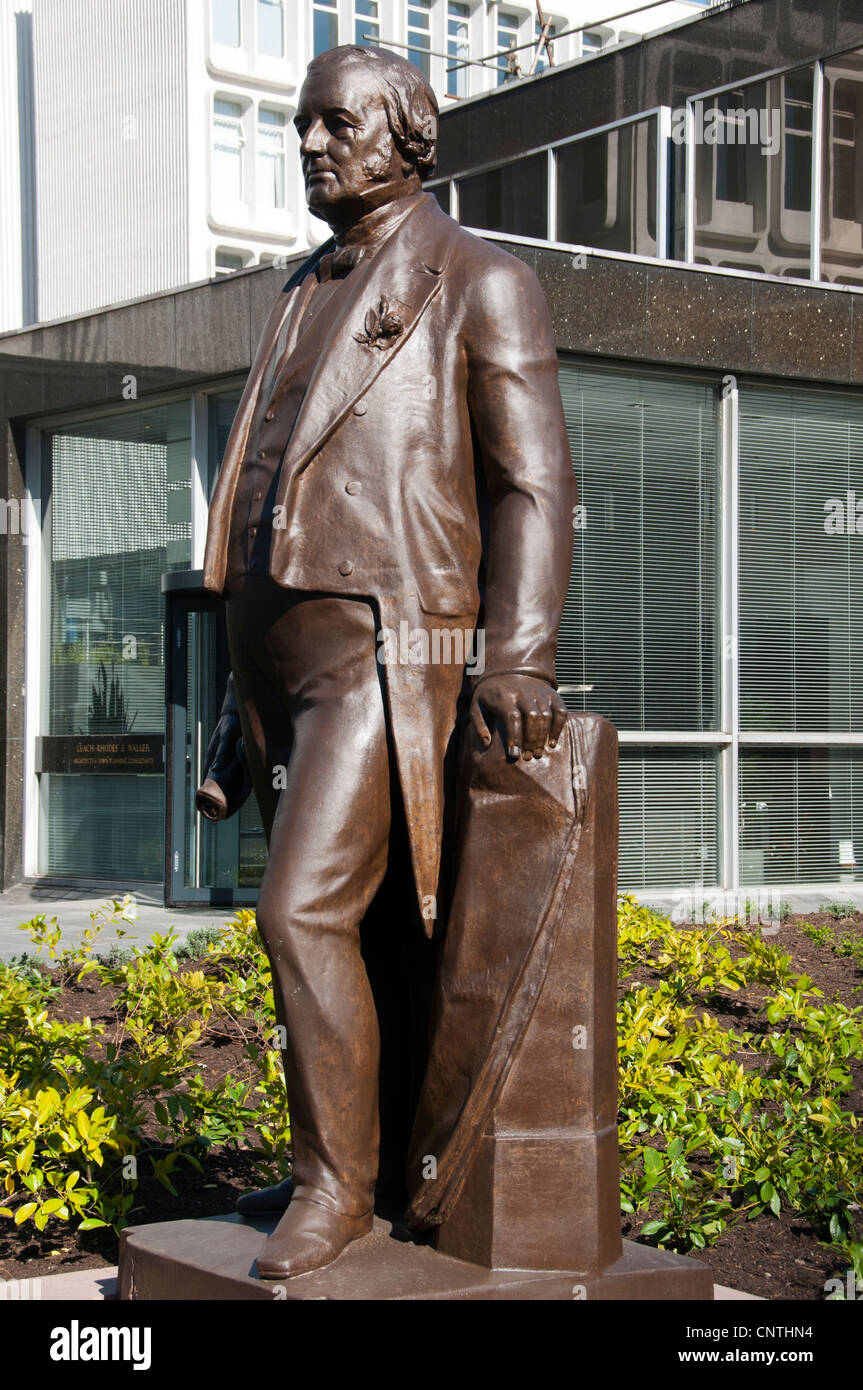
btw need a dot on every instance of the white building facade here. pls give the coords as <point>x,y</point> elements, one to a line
<point>149,145</point>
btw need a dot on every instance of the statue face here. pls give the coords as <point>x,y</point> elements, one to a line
<point>349,159</point>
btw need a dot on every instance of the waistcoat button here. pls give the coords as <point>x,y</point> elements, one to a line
<point>360,408</point>
<point>353,488</point>
<point>345,568</point>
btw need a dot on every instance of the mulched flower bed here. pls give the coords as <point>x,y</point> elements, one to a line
<point>775,1258</point>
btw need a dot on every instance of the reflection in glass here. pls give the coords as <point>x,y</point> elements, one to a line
<point>512,199</point>
<point>218,855</point>
<point>606,189</point>
<point>441,192</point>
<point>753,176</point>
<point>842,202</point>
<point>458,48</point>
<point>326,25</point>
<point>120,517</point>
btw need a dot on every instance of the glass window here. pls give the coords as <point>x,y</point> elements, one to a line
<point>271,160</point>
<point>669,819</point>
<point>606,189</point>
<point>458,48</point>
<point>441,192</point>
<point>228,142</point>
<point>271,28</point>
<point>801,815</point>
<point>226,23</point>
<point>367,29</point>
<point>842,200</point>
<point>507,37</point>
<point>120,517</point>
<point>226,262</point>
<point>798,143</point>
<point>221,411</point>
<point>591,43</point>
<point>753,176</point>
<point>801,561</point>
<point>512,199</point>
<point>419,35</point>
<point>326,25</point>
<point>639,637</point>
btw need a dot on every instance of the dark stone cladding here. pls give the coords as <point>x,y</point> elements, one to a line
<point>689,317</point>
<point>729,44</point>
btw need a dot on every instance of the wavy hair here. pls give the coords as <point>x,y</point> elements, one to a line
<point>410,104</point>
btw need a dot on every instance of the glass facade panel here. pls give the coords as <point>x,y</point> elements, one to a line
<point>120,517</point>
<point>507,37</point>
<point>842,188</point>
<point>419,35</point>
<point>271,160</point>
<point>606,189</point>
<point>441,191</point>
<point>801,816</point>
<point>801,561</point>
<point>226,22</point>
<point>367,29</point>
<point>458,48</point>
<point>669,819</point>
<point>227,151</point>
<point>512,199</point>
<point>271,28</point>
<point>217,855</point>
<point>639,638</point>
<point>753,176</point>
<point>326,25</point>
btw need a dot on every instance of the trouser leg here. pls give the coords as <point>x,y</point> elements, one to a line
<point>327,857</point>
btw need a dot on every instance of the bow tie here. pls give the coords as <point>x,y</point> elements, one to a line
<point>335,265</point>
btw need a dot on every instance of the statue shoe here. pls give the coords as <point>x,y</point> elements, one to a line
<point>309,1237</point>
<point>270,1201</point>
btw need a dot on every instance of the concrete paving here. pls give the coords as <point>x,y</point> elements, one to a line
<point>72,903</point>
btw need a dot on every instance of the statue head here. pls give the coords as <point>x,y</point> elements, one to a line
<point>367,121</point>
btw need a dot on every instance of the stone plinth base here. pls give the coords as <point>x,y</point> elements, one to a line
<point>215,1259</point>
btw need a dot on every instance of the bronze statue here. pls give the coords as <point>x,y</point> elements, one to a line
<point>395,500</point>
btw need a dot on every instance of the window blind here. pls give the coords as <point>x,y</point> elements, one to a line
<point>801,573</point>
<point>801,815</point>
<point>669,819</point>
<point>640,624</point>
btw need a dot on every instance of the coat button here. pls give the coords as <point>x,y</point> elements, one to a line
<point>360,408</point>
<point>345,568</point>
<point>270,415</point>
<point>353,489</point>
<point>262,453</point>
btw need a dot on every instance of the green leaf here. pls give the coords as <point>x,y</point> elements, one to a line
<point>25,1157</point>
<point>653,1228</point>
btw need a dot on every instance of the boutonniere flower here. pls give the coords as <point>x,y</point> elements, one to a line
<point>382,327</point>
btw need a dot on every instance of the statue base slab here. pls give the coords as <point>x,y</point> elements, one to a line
<point>214,1258</point>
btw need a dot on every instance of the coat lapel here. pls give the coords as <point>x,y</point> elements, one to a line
<point>377,318</point>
